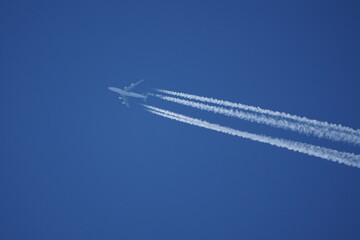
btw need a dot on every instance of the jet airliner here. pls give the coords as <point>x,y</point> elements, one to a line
<point>126,92</point>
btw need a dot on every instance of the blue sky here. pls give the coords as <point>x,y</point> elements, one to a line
<point>76,163</point>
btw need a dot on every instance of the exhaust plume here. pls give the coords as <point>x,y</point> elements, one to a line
<point>268,120</point>
<point>318,124</point>
<point>349,159</point>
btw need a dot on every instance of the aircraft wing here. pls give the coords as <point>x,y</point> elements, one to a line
<point>133,85</point>
<point>125,101</point>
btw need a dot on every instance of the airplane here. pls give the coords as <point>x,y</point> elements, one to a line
<point>126,92</point>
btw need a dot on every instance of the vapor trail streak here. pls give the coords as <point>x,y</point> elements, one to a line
<point>335,127</point>
<point>349,159</point>
<point>268,120</point>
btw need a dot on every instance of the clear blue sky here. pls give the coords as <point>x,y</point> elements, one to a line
<point>77,164</point>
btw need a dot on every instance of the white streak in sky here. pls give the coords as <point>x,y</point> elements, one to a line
<point>319,124</point>
<point>349,159</point>
<point>268,120</point>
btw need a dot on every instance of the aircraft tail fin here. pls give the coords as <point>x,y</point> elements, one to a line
<point>146,96</point>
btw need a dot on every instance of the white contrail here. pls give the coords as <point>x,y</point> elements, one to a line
<point>335,127</point>
<point>349,159</point>
<point>268,120</point>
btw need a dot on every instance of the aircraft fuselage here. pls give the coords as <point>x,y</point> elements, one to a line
<point>125,93</point>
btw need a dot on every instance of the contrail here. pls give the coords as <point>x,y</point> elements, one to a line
<point>326,125</point>
<point>349,159</point>
<point>268,120</point>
